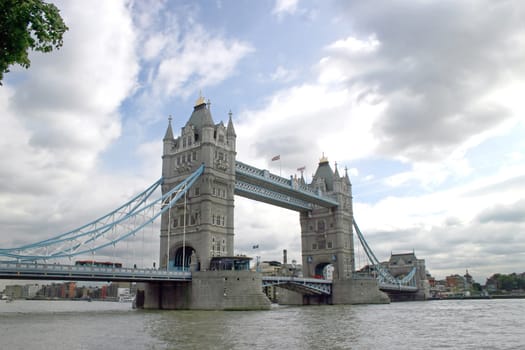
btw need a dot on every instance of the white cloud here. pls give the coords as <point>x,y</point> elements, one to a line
<point>154,45</point>
<point>203,60</point>
<point>61,115</point>
<point>375,96</point>
<point>325,116</point>
<point>284,7</point>
<point>355,46</point>
<point>282,74</point>
<point>393,86</point>
<point>181,57</point>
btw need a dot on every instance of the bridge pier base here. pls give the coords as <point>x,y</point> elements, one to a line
<point>358,291</point>
<point>208,290</point>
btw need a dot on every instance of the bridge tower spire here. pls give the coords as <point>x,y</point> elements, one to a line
<point>203,228</point>
<point>327,236</point>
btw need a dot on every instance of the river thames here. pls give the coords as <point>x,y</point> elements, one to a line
<point>444,324</point>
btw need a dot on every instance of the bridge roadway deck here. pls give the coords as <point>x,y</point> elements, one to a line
<point>32,271</point>
<point>300,284</point>
<point>389,287</point>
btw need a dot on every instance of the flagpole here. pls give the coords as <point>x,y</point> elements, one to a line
<point>278,157</point>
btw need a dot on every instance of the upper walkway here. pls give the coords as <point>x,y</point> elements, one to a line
<point>263,186</point>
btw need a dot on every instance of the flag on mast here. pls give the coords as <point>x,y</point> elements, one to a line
<point>277,157</point>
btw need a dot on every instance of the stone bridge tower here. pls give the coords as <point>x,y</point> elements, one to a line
<point>200,225</point>
<point>327,233</point>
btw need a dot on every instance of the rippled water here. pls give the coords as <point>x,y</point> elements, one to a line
<point>452,324</point>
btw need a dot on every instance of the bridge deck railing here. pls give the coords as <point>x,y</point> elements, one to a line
<point>267,176</point>
<point>287,185</point>
<point>87,272</point>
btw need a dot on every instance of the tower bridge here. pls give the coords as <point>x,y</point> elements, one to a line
<point>198,269</point>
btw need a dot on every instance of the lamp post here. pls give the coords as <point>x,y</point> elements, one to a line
<point>169,233</point>
<point>184,235</point>
<point>257,260</point>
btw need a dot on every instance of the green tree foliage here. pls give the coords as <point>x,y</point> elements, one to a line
<point>476,287</point>
<point>24,25</point>
<point>508,282</point>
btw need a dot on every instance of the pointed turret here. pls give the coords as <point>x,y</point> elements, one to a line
<point>336,173</point>
<point>169,132</point>
<point>325,173</point>
<point>201,116</point>
<point>168,147</point>
<point>347,178</point>
<point>230,130</point>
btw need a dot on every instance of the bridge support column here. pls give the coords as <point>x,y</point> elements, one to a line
<point>228,290</point>
<point>208,290</point>
<point>357,291</point>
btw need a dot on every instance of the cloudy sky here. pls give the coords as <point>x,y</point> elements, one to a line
<point>422,101</point>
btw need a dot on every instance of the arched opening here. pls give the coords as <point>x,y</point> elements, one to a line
<point>182,259</point>
<point>324,271</point>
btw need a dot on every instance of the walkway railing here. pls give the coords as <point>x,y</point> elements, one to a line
<point>308,285</point>
<point>263,179</point>
<point>87,273</point>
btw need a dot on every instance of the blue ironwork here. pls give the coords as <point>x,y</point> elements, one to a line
<point>107,230</point>
<point>110,229</point>
<point>262,185</point>
<point>271,197</point>
<point>306,285</point>
<point>385,279</point>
